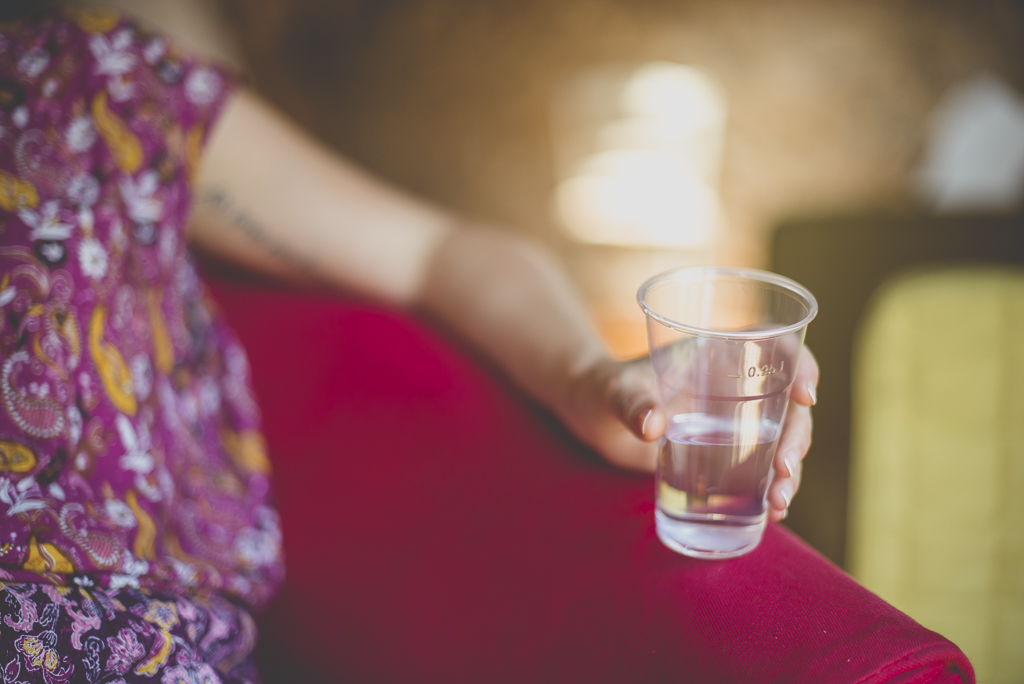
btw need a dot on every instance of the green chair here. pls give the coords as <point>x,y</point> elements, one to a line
<point>919,430</point>
<point>936,519</point>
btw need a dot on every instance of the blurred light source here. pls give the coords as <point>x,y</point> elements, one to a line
<point>974,157</point>
<point>639,151</point>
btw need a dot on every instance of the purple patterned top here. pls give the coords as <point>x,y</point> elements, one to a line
<point>130,448</point>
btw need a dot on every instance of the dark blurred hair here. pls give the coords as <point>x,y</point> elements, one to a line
<point>16,9</point>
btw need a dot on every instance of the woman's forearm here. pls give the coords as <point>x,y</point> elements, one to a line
<point>511,301</point>
<point>276,201</point>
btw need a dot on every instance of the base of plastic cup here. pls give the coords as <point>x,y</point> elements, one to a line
<point>715,541</point>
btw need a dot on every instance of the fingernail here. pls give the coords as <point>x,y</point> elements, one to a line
<point>785,513</point>
<point>643,425</point>
<point>813,391</point>
<point>785,495</point>
<point>787,459</point>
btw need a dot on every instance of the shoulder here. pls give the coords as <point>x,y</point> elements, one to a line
<point>97,92</point>
<point>59,52</point>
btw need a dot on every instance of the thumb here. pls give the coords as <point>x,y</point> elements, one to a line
<point>632,399</point>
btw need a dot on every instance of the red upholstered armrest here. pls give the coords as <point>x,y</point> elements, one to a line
<point>440,529</point>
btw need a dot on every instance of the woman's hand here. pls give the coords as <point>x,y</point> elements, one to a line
<point>796,437</point>
<point>613,407</point>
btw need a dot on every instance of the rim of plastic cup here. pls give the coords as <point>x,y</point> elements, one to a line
<point>692,273</point>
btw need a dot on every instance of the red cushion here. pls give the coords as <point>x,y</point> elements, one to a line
<point>439,528</point>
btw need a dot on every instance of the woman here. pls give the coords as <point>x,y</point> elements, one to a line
<point>139,536</point>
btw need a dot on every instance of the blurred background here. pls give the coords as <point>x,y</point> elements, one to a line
<point>872,150</point>
<point>825,104</point>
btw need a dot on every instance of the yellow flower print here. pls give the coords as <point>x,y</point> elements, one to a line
<point>124,146</point>
<point>46,557</point>
<point>163,350</point>
<point>33,647</point>
<point>149,666</point>
<point>17,194</point>
<point>94,20</point>
<point>40,652</point>
<point>111,366</point>
<point>145,539</point>
<point>247,450</point>
<point>164,615</point>
<point>193,151</point>
<point>16,458</point>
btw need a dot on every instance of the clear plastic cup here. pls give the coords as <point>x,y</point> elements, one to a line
<point>725,345</point>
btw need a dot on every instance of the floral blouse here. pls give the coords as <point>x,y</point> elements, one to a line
<point>130,450</point>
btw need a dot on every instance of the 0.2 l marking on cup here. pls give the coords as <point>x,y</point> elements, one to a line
<point>767,369</point>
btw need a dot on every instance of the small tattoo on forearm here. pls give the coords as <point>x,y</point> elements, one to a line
<point>221,202</point>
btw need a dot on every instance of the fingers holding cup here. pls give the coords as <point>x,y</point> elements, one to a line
<point>794,443</point>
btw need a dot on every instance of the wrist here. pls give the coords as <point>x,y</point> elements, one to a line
<point>581,387</point>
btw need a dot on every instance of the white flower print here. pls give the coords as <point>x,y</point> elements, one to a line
<point>86,220</point>
<point>118,239</point>
<point>186,573</point>
<point>33,62</point>
<point>85,382</point>
<point>118,582</point>
<point>178,674</point>
<point>122,310</point>
<point>120,513</point>
<point>120,89</point>
<point>154,50</point>
<point>209,396</point>
<point>81,134</point>
<point>165,483</point>
<point>169,401</point>
<point>136,446</point>
<point>7,295</point>
<point>142,376</point>
<point>84,190</point>
<point>137,458</point>
<point>20,116</point>
<point>92,258</point>
<point>202,86</point>
<point>258,547</point>
<point>142,207</point>
<point>74,425</point>
<point>45,224</point>
<point>131,568</point>
<point>112,56</point>
<point>50,87</point>
<point>21,497</point>
<point>168,244</point>
<point>52,251</point>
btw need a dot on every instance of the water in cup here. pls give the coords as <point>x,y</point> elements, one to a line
<point>725,344</point>
<point>711,474</point>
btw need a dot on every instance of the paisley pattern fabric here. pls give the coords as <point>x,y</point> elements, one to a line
<point>58,634</point>
<point>130,453</point>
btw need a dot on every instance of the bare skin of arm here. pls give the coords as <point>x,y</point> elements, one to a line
<point>272,199</point>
